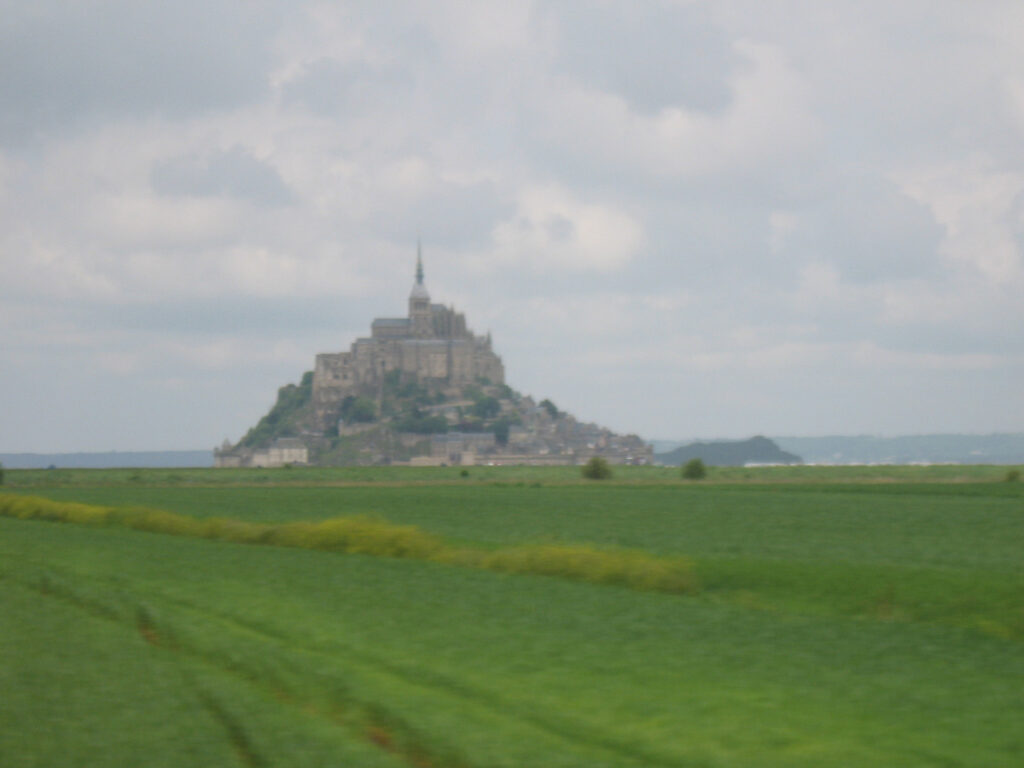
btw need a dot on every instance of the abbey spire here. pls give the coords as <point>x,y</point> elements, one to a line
<point>419,290</point>
<point>419,262</point>
<point>420,320</point>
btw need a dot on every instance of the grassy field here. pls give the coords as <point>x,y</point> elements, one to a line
<point>64,478</point>
<point>842,618</point>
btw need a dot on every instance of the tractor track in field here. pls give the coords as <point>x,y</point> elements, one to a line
<point>236,733</point>
<point>552,724</point>
<point>362,718</point>
<point>379,734</point>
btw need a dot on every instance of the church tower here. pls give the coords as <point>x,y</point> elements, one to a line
<point>420,321</point>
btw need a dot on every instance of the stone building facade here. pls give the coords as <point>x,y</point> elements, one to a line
<point>432,345</point>
<point>462,447</point>
<point>282,452</point>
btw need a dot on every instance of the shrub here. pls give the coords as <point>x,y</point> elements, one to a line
<point>358,410</point>
<point>1,474</point>
<point>627,568</point>
<point>1013,475</point>
<point>85,514</point>
<point>597,469</point>
<point>486,407</point>
<point>239,531</point>
<point>34,508</point>
<point>369,537</point>
<point>157,521</point>
<point>501,428</point>
<point>694,469</point>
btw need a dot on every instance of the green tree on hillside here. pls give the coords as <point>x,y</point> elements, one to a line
<point>358,410</point>
<point>418,422</point>
<point>486,407</point>
<point>279,421</point>
<point>550,407</point>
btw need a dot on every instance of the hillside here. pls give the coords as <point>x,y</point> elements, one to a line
<point>405,418</point>
<point>290,416</point>
<point>730,453</point>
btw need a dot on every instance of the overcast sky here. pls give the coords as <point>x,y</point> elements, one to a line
<point>680,219</point>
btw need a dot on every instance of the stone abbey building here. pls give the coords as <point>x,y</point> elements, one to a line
<point>432,345</point>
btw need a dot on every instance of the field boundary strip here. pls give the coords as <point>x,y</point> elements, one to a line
<point>633,569</point>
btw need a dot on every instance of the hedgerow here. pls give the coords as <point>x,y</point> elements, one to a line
<point>33,508</point>
<point>627,568</point>
<point>378,538</point>
<point>358,535</point>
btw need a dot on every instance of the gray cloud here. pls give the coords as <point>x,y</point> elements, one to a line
<point>870,231</point>
<point>64,63</point>
<point>346,88</point>
<point>234,173</point>
<point>447,215</point>
<point>669,55</point>
<point>243,316</point>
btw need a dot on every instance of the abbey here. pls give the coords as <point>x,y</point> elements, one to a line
<point>432,345</point>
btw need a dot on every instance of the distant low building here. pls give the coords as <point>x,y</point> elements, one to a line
<point>518,435</point>
<point>462,447</point>
<point>283,451</point>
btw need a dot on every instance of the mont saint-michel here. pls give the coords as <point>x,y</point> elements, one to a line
<point>421,389</point>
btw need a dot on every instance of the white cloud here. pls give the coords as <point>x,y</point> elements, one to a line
<point>981,209</point>
<point>781,224</point>
<point>767,121</point>
<point>870,355</point>
<point>553,230</point>
<point>132,220</point>
<point>819,285</point>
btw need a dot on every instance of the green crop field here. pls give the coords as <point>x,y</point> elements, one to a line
<point>828,617</point>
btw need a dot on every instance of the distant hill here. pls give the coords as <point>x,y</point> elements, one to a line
<point>730,453</point>
<point>107,459</point>
<point>1006,448</point>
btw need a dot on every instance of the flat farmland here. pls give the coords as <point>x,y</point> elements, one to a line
<point>836,620</point>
